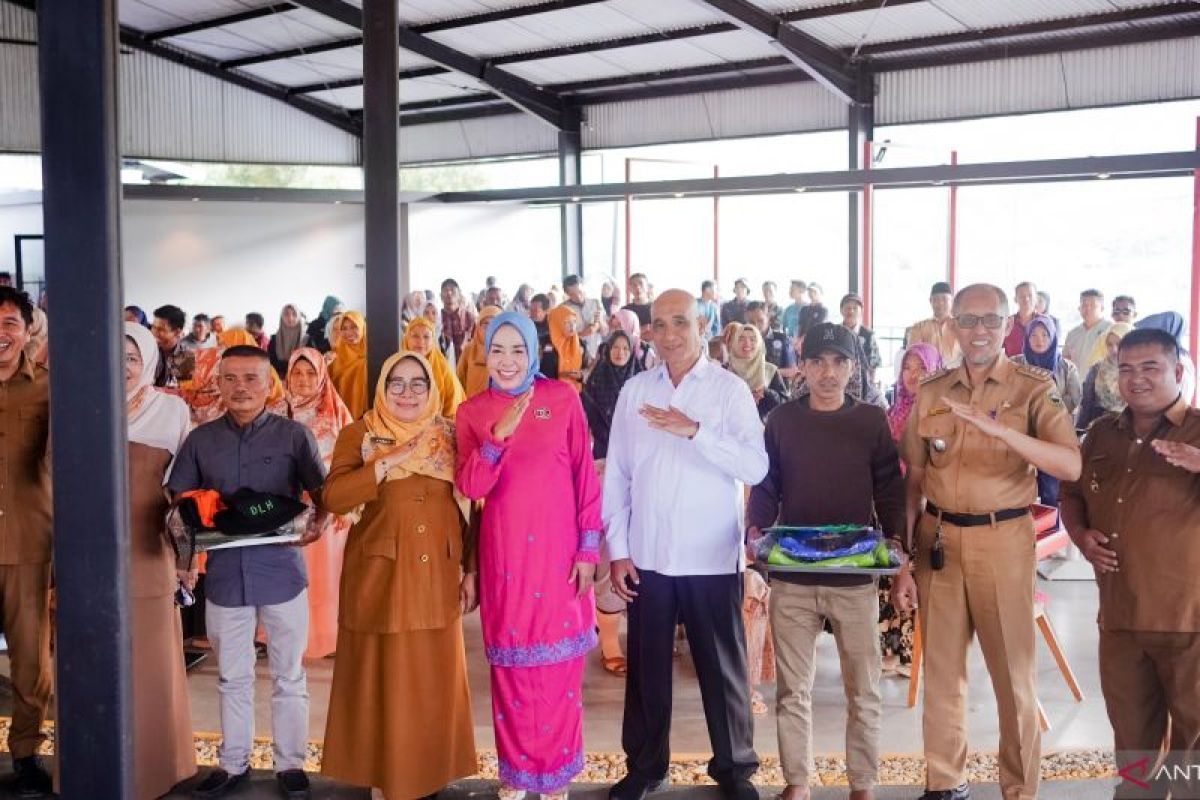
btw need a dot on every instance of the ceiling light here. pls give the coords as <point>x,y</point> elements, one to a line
<point>679,194</point>
<point>1103,175</point>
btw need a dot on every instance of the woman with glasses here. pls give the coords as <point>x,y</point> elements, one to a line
<point>523,448</point>
<point>400,709</point>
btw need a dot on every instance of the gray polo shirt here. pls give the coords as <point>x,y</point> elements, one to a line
<point>271,454</point>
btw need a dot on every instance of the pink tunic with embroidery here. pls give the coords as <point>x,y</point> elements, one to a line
<point>541,514</point>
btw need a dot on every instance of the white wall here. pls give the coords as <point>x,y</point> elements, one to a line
<point>230,258</point>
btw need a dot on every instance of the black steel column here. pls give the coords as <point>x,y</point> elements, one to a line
<point>77,51</point>
<point>381,180</point>
<point>570,173</point>
<point>860,129</point>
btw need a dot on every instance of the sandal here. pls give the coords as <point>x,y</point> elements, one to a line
<point>617,665</point>
<point>556,795</point>
<point>758,706</point>
<point>509,793</point>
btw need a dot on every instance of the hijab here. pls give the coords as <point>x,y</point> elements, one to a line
<point>607,379</point>
<point>288,339</point>
<point>903,400</point>
<point>528,332</point>
<point>755,370</point>
<point>472,364</point>
<point>1049,359</point>
<point>156,419</point>
<point>569,348</point>
<point>1108,393</point>
<point>434,453</point>
<point>203,392</point>
<point>414,306</point>
<point>330,306</point>
<point>1167,321</point>
<point>629,323</point>
<point>451,390</point>
<point>349,368</point>
<point>323,413</point>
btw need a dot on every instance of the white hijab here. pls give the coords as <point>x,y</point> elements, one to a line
<point>156,419</point>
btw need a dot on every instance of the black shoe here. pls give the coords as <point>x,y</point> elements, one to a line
<point>741,789</point>
<point>219,783</point>
<point>633,787</point>
<point>293,783</point>
<point>958,793</point>
<point>32,780</point>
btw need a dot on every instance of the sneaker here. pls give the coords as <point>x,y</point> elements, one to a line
<point>219,783</point>
<point>293,783</point>
<point>32,780</point>
<point>957,793</point>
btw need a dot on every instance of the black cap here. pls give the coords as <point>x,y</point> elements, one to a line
<point>941,287</point>
<point>248,512</point>
<point>853,297</point>
<point>828,336</point>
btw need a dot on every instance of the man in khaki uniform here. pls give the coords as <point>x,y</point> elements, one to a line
<point>976,436</point>
<point>938,330</point>
<point>1135,514</point>
<point>25,528</point>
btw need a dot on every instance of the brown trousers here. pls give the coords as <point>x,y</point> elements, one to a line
<point>1151,682</point>
<point>985,589</point>
<point>25,612</point>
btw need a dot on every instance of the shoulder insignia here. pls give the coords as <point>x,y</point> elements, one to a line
<point>1037,373</point>
<point>933,376</point>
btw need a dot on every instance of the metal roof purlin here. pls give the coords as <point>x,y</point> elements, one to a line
<point>547,106</point>
<point>218,22</point>
<point>827,66</point>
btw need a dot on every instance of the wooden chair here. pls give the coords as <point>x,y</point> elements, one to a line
<point>1043,623</point>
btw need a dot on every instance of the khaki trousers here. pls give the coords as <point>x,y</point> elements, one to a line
<point>1151,682</point>
<point>986,588</point>
<point>797,618</point>
<point>25,613</point>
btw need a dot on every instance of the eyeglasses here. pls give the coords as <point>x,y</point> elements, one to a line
<point>970,321</point>
<point>1118,311</point>
<point>397,386</point>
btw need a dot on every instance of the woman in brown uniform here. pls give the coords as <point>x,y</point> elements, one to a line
<point>164,753</point>
<point>400,710</point>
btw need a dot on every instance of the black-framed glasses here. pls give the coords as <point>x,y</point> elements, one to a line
<point>970,321</point>
<point>397,386</point>
<point>1122,311</point>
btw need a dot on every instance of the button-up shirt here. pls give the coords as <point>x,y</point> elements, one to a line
<point>457,326</point>
<point>272,454</point>
<point>1080,345</point>
<point>675,505</point>
<point>940,334</point>
<point>966,470</point>
<point>1150,512</point>
<point>25,498</point>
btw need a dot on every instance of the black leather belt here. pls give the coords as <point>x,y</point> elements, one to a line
<point>975,520</point>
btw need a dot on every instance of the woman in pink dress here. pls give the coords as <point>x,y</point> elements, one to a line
<point>523,448</point>
<point>314,403</point>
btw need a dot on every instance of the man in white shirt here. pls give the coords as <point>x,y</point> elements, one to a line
<point>685,439</point>
<point>1080,345</point>
<point>591,314</point>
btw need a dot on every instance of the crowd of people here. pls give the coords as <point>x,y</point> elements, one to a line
<point>558,461</point>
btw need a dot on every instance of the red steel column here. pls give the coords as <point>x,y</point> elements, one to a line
<point>717,232</point>
<point>866,238</point>
<point>1194,320</point>
<point>628,228</point>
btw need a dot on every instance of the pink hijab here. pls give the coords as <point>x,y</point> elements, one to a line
<point>628,322</point>
<point>903,402</point>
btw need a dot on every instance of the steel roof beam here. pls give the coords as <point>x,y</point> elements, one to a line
<point>219,22</point>
<point>534,100</point>
<point>829,67</point>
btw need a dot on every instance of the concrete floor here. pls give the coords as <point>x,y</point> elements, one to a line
<point>1071,608</point>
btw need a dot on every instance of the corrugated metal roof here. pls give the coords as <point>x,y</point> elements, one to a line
<point>512,134</point>
<point>153,15</point>
<point>299,28</point>
<point>878,25</point>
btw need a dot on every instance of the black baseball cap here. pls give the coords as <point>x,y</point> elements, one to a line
<point>941,287</point>
<point>828,336</point>
<point>853,297</point>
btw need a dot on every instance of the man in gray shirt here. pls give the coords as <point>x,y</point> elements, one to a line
<point>593,326</point>
<point>250,448</point>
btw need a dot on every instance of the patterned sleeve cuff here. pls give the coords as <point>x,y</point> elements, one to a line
<point>491,451</point>
<point>589,547</point>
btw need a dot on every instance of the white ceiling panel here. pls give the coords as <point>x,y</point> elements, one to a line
<point>300,28</point>
<point>665,14</point>
<point>881,25</point>
<point>153,15</point>
<point>351,97</point>
<point>305,69</point>
<point>438,87</point>
<point>990,14</point>
<point>677,54</point>
<point>414,12</point>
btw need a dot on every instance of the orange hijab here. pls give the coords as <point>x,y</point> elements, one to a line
<point>323,413</point>
<point>569,348</point>
<point>451,390</point>
<point>435,450</point>
<point>349,368</point>
<point>472,364</point>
